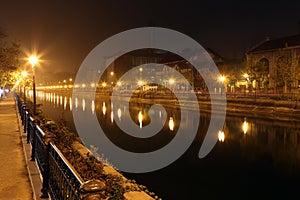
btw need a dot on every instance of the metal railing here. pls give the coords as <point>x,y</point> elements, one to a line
<point>63,180</point>
<point>60,179</point>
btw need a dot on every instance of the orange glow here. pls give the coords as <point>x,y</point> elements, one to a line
<point>119,114</point>
<point>119,83</point>
<point>171,124</point>
<point>140,118</point>
<point>171,81</point>
<point>33,60</point>
<point>112,117</point>
<point>221,136</point>
<point>93,106</point>
<point>245,127</point>
<point>24,73</point>
<point>103,108</point>
<point>222,78</point>
<point>140,83</point>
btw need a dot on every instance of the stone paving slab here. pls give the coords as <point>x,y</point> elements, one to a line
<point>15,182</point>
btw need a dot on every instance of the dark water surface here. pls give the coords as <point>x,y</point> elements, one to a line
<point>254,158</point>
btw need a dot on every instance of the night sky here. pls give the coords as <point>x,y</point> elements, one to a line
<point>65,32</point>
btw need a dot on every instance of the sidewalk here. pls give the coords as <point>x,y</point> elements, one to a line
<point>19,178</point>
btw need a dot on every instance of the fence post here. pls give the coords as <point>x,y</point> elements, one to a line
<point>46,170</point>
<point>48,138</point>
<point>25,120</point>
<point>33,135</point>
<point>22,113</point>
<point>27,127</point>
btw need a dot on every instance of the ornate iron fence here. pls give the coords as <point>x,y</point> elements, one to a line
<point>64,182</point>
<point>60,180</point>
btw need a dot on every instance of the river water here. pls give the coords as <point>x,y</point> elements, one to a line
<point>254,157</point>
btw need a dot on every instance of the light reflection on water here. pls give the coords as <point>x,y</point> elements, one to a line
<point>64,101</point>
<point>245,126</point>
<point>250,150</point>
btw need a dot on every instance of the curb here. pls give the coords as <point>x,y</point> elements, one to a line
<point>34,175</point>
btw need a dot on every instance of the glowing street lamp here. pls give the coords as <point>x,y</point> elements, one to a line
<point>140,83</point>
<point>171,81</point>
<point>119,83</point>
<point>24,74</point>
<point>33,60</point>
<point>222,78</point>
<point>104,84</point>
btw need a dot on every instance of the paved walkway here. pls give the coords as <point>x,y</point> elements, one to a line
<point>15,183</point>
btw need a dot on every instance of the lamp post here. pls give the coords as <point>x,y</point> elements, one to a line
<point>33,61</point>
<point>246,76</point>
<point>222,80</point>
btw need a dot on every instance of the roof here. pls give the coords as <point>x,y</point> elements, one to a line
<point>267,45</point>
<point>215,56</point>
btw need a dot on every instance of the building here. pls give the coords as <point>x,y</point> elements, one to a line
<point>274,65</point>
<point>118,67</point>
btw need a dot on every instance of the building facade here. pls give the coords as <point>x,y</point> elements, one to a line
<point>274,65</point>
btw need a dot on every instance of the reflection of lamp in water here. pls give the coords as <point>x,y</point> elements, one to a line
<point>76,102</point>
<point>221,136</point>
<point>65,103</point>
<point>112,117</point>
<point>93,106</point>
<point>83,104</point>
<point>119,113</point>
<point>61,100</point>
<point>171,124</point>
<point>140,117</point>
<point>245,126</point>
<point>70,103</point>
<point>104,108</point>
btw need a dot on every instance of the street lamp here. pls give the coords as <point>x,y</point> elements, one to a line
<point>246,76</point>
<point>171,81</point>
<point>33,60</point>
<point>222,79</point>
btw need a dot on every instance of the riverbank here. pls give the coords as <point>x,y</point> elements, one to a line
<point>285,110</point>
<point>244,105</point>
<point>262,108</point>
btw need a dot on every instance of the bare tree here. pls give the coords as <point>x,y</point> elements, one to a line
<point>283,72</point>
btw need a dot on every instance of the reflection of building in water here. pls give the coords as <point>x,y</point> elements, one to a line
<point>278,140</point>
